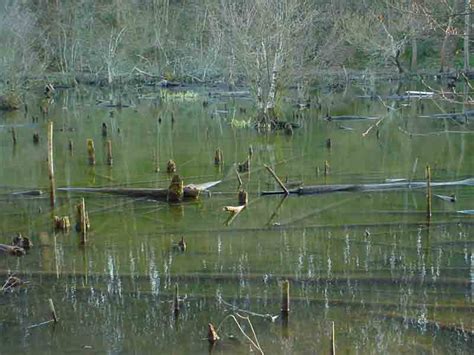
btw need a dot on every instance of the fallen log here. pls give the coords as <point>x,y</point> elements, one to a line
<point>191,191</point>
<point>319,189</point>
<point>458,116</point>
<point>350,118</point>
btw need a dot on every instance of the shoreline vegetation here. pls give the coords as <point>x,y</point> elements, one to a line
<point>266,46</point>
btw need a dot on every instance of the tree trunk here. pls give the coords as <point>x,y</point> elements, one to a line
<point>467,27</point>
<point>443,46</point>
<point>270,107</point>
<point>414,53</point>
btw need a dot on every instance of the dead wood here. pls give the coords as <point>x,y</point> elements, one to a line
<point>190,191</point>
<point>11,250</point>
<point>318,189</point>
<point>22,242</point>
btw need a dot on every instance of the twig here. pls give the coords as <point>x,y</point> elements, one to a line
<point>255,343</point>
<point>267,316</point>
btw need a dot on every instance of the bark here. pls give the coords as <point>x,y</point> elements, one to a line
<point>270,107</point>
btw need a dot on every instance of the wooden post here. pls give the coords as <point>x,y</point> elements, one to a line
<point>53,311</point>
<point>333,340</point>
<point>52,183</point>
<point>428,192</point>
<point>243,198</point>
<point>285,299</point>
<point>82,216</point>
<point>326,168</point>
<point>218,157</point>
<point>176,300</point>
<point>328,143</point>
<point>13,135</point>
<point>110,159</point>
<point>91,151</point>
<point>104,129</point>
<point>212,335</point>
<point>71,145</point>
<point>171,166</point>
<point>277,179</point>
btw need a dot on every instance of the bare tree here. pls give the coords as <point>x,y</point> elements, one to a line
<point>264,39</point>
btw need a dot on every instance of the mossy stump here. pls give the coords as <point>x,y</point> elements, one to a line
<point>176,189</point>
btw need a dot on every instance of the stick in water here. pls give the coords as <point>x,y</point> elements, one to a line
<point>277,179</point>
<point>52,184</point>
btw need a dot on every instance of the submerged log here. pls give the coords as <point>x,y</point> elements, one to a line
<point>350,118</point>
<point>319,189</point>
<point>190,191</point>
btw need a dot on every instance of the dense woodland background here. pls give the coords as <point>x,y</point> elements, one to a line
<point>235,42</point>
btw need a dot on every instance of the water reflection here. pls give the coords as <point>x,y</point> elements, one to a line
<point>389,282</point>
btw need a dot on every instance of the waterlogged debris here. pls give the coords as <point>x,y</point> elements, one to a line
<point>28,193</point>
<point>395,180</point>
<point>22,242</point>
<point>318,189</point>
<point>240,123</point>
<point>468,212</point>
<point>451,198</point>
<point>350,118</point>
<point>420,94</point>
<point>11,250</point>
<point>457,116</point>
<point>190,191</point>
<point>11,283</point>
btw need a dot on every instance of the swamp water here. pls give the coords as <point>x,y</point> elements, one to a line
<point>366,260</point>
